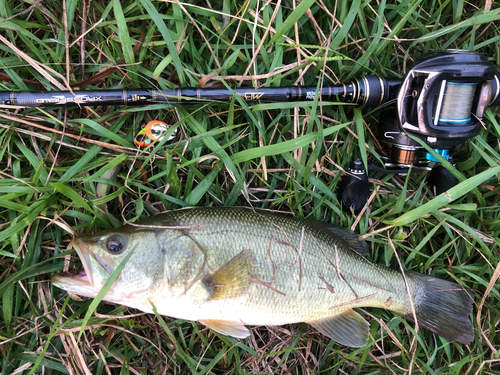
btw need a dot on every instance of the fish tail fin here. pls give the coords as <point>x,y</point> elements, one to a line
<point>443,307</point>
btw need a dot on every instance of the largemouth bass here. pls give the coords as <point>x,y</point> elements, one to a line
<point>229,268</point>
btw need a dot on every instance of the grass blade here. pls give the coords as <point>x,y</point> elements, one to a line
<point>74,197</point>
<point>160,24</point>
<point>291,19</point>
<point>443,199</point>
<point>107,285</point>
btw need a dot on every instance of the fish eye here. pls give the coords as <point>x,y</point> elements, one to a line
<point>115,244</point>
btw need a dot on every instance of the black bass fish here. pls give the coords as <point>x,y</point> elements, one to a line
<point>229,268</point>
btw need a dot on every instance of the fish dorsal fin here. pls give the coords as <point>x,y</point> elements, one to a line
<point>232,328</point>
<point>350,239</point>
<point>348,328</point>
<point>232,279</point>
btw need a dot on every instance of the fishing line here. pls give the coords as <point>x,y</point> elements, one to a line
<point>454,102</point>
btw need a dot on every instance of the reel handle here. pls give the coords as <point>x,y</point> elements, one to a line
<point>495,91</point>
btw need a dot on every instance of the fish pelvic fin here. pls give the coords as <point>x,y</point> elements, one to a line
<point>232,328</point>
<point>348,328</point>
<point>232,279</point>
<point>443,307</point>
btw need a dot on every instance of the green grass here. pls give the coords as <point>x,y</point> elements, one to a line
<point>88,175</point>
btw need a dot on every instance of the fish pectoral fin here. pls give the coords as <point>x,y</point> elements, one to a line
<point>348,328</point>
<point>232,279</point>
<point>232,328</point>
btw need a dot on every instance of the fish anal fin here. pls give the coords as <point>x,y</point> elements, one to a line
<point>232,279</point>
<point>232,328</point>
<point>348,328</point>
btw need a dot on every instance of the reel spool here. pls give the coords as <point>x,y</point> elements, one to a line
<point>441,101</point>
<point>444,96</point>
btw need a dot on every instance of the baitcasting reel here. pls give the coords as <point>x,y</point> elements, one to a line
<point>441,102</point>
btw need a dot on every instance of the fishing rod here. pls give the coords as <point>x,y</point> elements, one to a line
<point>440,101</point>
<point>367,91</point>
<point>441,89</point>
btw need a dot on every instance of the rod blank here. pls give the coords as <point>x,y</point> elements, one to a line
<point>368,91</point>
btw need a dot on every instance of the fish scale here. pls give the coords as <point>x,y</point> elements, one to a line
<point>236,231</point>
<point>232,267</point>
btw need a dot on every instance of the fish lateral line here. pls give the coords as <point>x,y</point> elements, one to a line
<point>357,300</point>
<point>373,285</point>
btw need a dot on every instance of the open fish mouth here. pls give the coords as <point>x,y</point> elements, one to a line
<point>81,283</point>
